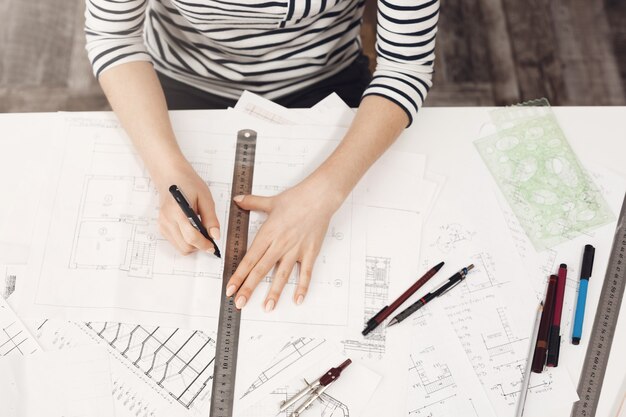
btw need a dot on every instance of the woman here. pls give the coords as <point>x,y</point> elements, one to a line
<point>151,55</point>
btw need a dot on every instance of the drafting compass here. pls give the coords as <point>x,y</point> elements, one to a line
<point>314,389</point>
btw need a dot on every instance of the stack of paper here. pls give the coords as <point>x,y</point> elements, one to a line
<point>102,274</point>
<point>100,278</point>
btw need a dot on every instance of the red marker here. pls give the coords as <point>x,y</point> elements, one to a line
<point>541,347</point>
<point>554,346</point>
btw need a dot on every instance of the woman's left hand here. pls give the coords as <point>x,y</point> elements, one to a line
<point>293,233</point>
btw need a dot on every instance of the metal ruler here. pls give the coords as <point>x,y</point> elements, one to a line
<point>225,368</point>
<point>597,356</point>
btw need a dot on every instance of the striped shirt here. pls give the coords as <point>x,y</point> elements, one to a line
<point>270,47</point>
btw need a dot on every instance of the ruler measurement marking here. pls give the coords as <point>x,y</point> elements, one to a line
<point>604,325</point>
<point>223,391</point>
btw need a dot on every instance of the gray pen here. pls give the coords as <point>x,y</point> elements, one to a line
<point>451,283</point>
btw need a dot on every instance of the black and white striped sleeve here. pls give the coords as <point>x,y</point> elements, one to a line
<point>405,45</point>
<point>114,32</point>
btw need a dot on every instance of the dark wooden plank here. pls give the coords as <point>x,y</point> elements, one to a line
<point>462,56</point>
<point>503,74</point>
<point>616,18</point>
<point>80,80</point>
<point>538,68</point>
<point>34,42</point>
<point>460,94</point>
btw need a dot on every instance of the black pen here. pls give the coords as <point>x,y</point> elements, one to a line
<point>452,281</point>
<point>192,216</point>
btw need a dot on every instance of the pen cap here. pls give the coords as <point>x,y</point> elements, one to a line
<point>588,255</point>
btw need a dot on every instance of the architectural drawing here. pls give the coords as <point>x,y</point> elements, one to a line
<point>115,231</point>
<point>450,236</point>
<point>436,378</point>
<point>441,384</point>
<point>377,275</point>
<point>293,352</point>
<point>179,361</point>
<point>157,371</point>
<point>486,316</point>
<point>14,338</point>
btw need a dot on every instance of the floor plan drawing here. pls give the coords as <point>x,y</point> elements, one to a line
<point>111,235</point>
<point>439,384</point>
<point>436,378</point>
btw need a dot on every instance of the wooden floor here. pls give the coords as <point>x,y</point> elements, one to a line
<point>489,52</point>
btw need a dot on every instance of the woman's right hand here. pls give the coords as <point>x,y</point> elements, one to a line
<point>173,224</point>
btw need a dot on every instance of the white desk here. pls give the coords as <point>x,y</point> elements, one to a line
<point>445,135</point>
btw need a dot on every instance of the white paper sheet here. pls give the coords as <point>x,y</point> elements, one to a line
<point>101,223</point>
<point>350,395</point>
<point>68,383</point>
<point>491,312</point>
<point>15,339</point>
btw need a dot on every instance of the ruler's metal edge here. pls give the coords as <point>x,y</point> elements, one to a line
<point>228,311</point>
<point>589,401</point>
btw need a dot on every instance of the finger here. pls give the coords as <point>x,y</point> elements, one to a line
<point>306,270</point>
<point>172,233</point>
<point>206,210</point>
<point>260,270</point>
<point>253,255</point>
<point>283,272</point>
<point>194,238</point>
<point>185,231</point>
<point>254,202</point>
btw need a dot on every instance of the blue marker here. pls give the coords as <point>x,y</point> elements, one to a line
<point>585,274</point>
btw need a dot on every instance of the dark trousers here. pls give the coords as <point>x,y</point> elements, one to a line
<point>349,84</point>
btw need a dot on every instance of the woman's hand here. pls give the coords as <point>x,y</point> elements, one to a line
<point>293,232</point>
<point>173,224</point>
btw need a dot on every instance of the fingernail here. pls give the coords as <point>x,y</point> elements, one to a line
<point>269,306</point>
<point>210,250</point>
<point>215,233</point>
<point>230,290</point>
<point>238,198</point>
<point>300,299</point>
<point>240,302</point>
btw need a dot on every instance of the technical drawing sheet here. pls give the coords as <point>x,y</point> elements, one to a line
<point>24,164</point>
<point>105,261</point>
<point>69,383</point>
<point>351,394</point>
<point>156,371</point>
<point>491,312</point>
<point>15,339</point>
<point>540,265</point>
<point>102,255</point>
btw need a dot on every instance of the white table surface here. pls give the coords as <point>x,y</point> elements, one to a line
<point>445,135</point>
